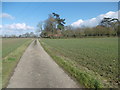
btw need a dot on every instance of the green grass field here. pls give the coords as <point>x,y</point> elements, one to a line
<point>12,50</point>
<point>10,44</point>
<point>92,61</point>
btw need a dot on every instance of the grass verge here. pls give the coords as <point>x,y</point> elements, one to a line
<point>84,78</point>
<point>10,62</point>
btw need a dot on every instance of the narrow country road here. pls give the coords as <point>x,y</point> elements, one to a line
<point>36,69</point>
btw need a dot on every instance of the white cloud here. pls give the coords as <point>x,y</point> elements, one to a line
<point>0,29</point>
<point>16,29</point>
<point>18,26</point>
<point>94,21</point>
<point>0,26</point>
<point>6,15</point>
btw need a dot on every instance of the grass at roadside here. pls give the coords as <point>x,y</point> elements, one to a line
<point>92,61</point>
<point>10,61</point>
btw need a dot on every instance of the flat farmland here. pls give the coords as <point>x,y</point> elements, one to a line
<point>92,61</point>
<point>10,44</point>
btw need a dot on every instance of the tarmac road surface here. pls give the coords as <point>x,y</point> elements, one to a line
<point>36,69</point>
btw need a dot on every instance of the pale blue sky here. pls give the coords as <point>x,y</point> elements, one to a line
<point>61,0</point>
<point>33,12</point>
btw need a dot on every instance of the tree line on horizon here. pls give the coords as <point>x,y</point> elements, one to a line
<point>25,35</point>
<point>54,27</point>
